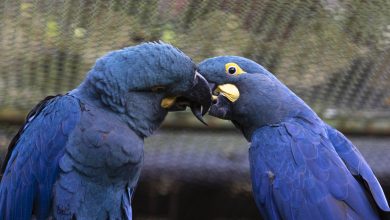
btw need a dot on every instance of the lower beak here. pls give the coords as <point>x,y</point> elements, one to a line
<point>198,98</point>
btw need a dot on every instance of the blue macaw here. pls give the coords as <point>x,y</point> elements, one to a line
<point>301,168</point>
<point>79,155</point>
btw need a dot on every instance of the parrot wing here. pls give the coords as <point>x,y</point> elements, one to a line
<point>31,165</point>
<point>297,174</point>
<point>358,166</point>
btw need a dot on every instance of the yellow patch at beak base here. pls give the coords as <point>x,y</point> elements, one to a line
<point>168,102</point>
<point>230,91</point>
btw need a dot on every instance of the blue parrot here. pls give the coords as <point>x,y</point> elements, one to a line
<point>301,168</point>
<point>79,155</point>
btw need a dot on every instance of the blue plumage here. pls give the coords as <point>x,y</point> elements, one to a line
<point>79,155</point>
<point>306,178</point>
<point>32,169</point>
<point>301,168</point>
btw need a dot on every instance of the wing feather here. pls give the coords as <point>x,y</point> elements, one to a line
<point>309,179</point>
<point>31,165</point>
<point>357,165</point>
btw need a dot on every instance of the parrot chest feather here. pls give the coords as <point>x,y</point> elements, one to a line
<point>100,168</point>
<point>102,142</point>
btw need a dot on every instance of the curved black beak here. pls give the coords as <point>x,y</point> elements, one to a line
<point>198,98</point>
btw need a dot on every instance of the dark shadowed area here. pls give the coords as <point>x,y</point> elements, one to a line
<point>204,174</point>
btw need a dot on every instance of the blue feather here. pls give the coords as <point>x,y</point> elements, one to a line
<point>357,165</point>
<point>27,182</point>
<point>312,182</point>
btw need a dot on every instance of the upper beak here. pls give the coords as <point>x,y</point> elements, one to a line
<point>198,98</point>
<point>230,91</point>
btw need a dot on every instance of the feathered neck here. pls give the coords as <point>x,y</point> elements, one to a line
<point>139,110</point>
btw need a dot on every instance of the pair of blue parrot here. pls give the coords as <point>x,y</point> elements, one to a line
<point>79,155</point>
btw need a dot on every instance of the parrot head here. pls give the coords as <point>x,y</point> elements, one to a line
<point>143,83</point>
<point>247,94</point>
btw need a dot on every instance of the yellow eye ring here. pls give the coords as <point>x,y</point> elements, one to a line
<point>233,69</point>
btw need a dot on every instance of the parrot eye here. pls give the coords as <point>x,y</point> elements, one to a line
<point>232,70</point>
<point>158,89</point>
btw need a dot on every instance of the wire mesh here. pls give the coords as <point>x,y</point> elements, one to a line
<point>334,54</point>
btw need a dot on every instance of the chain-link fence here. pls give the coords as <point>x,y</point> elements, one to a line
<point>335,54</point>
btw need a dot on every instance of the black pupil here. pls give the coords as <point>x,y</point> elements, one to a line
<point>232,70</point>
